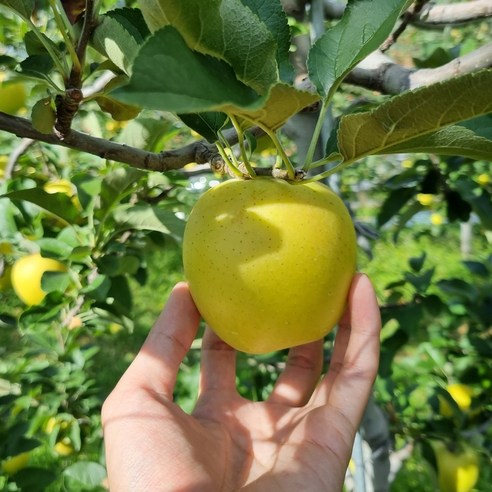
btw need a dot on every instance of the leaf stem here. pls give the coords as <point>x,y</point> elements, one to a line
<point>291,172</point>
<point>65,34</point>
<point>240,141</point>
<point>336,168</point>
<point>316,134</point>
<point>62,67</point>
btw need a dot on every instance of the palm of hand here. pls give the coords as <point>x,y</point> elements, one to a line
<point>299,439</point>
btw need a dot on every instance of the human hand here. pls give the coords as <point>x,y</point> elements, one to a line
<point>300,438</point>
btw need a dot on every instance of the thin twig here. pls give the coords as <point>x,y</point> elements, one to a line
<point>407,19</point>
<point>24,144</point>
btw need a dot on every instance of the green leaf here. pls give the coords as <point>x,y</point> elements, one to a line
<point>51,247</point>
<point>118,110</point>
<point>120,35</point>
<point>206,124</point>
<point>34,479</point>
<point>364,26</point>
<point>226,30</point>
<point>453,140</point>
<point>98,288</point>
<point>417,262</point>
<point>147,218</point>
<point>57,204</point>
<point>87,473</point>
<point>167,75</point>
<point>37,66</point>
<point>8,226</point>
<point>121,294</point>
<point>481,126</point>
<point>145,133</point>
<point>113,265</point>
<point>43,116</point>
<point>458,288</point>
<point>273,16</point>
<point>34,46</point>
<point>393,203</point>
<point>477,268</point>
<point>55,281</point>
<point>416,114</point>
<point>117,184</point>
<point>23,7</point>
<point>283,102</point>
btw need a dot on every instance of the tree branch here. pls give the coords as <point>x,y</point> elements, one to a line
<point>433,15</point>
<point>200,152</point>
<point>68,104</point>
<point>381,73</point>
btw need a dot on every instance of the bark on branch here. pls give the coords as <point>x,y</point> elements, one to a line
<point>200,152</point>
<point>381,73</point>
<point>433,15</point>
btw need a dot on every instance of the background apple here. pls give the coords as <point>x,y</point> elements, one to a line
<point>26,276</point>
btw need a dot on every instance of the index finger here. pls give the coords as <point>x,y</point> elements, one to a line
<point>156,365</point>
<point>355,361</point>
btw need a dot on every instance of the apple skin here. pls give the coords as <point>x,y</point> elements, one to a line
<point>27,273</point>
<point>457,471</point>
<point>269,263</point>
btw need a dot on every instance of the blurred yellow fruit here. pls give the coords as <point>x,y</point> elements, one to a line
<point>63,186</point>
<point>436,219</point>
<point>64,447</point>
<point>27,273</point>
<point>407,163</point>
<point>457,471</point>
<point>483,179</point>
<point>50,425</point>
<point>12,97</point>
<point>114,328</point>
<point>12,465</point>
<point>60,186</point>
<point>54,422</point>
<point>461,394</point>
<point>425,199</point>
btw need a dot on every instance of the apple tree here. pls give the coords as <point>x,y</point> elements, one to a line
<point>123,114</point>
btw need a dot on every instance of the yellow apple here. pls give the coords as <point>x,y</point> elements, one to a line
<point>458,471</point>
<point>26,276</point>
<point>63,186</point>
<point>12,465</point>
<point>64,447</point>
<point>12,97</point>
<point>60,186</point>
<point>269,263</point>
<point>461,394</point>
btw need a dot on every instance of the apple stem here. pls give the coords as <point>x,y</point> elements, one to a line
<point>242,149</point>
<point>281,152</point>
<point>234,169</point>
